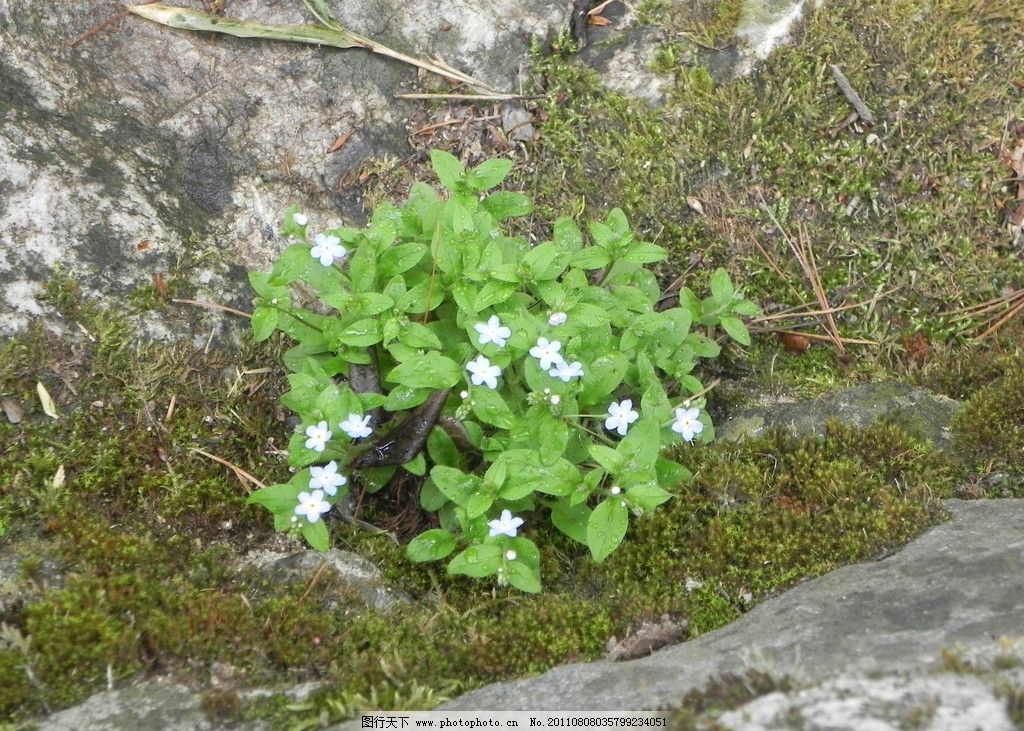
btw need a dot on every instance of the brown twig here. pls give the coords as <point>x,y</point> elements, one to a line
<point>813,336</point>
<point>239,472</point>
<point>804,254</point>
<point>852,96</point>
<point>793,312</point>
<point>450,122</point>
<point>98,28</point>
<point>213,306</point>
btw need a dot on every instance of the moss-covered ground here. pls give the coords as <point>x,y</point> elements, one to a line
<point>146,534</point>
<point>128,539</point>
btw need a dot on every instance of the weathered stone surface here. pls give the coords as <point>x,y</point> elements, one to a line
<point>348,570</point>
<point>143,151</point>
<point>942,701</point>
<point>145,707</point>
<point>957,586</point>
<point>923,414</point>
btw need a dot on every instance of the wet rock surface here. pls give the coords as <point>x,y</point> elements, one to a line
<point>955,588</point>
<point>142,154</point>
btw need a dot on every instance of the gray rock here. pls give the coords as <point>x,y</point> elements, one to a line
<point>923,414</point>
<point>145,707</point>
<point>957,586</point>
<point>348,570</point>
<point>143,151</point>
<point>941,701</point>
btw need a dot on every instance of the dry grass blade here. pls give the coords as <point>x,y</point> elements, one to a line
<point>813,336</point>
<point>798,311</point>
<point>804,254</point>
<point>329,33</point>
<point>485,97</point>
<point>1016,304</point>
<point>241,474</point>
<point>212,306</point>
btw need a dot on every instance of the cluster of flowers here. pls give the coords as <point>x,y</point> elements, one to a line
<point>326,480</point>
<point>620,413</point>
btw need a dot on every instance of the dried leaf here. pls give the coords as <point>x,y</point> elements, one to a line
<point>13,411</point>
<point>599,20</point>
<point>49,407</point>
<point>796,343</point>
<point>340,141</point>
<point>58,478</point>
<point>160,285</point>
<point>695,204</point>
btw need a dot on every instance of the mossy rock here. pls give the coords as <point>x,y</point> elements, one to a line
<point>920,413</point>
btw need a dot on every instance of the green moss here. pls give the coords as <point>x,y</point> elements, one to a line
<point>724,693</point>
<point>989,428</point>
<point>913,214</point>
<point>147,534</point>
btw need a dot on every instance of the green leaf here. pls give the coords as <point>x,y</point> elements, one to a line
<point>746,308</point>
<point>280,499</point>
<point>488,174</point>
<point>721,285</point>
<point>571,519</point>
<point>370,303</point>
<point>362,268</point>
<point>431,498</point>
<point>416,335</point>
<point>399,259</point>
<point>736,329</point>
<point>504,204</point>
<point>401,398</point>
<point>641,446</point>
<point>430,370</point>
<point>430,546</point>
<point>646,495</point>
<point>477,561</point>
<point>606,528</point>
<point>417,465</point>
<point>490,407</point>
<point>263,322</point>
<point>290,265</point>
<point>448,168</point>
<point>492,293</point>
<point>361,333</point>
<point>456,485</point>
<point>645,253</point>
<point>671,474</point>
<point>442,449</point>
<point>590,257</point>
<point>478,504</point>
<point>523,577</point>
<point>606,457</point>
<point>604,376</point>
<point>316,535</point>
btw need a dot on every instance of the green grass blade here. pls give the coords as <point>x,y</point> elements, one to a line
<point>333,34</point>
<point>189,19</point>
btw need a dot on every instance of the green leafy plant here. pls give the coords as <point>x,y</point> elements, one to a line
<point>515,380</point>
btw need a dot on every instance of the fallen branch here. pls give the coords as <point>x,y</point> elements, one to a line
<point>852,96</point>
